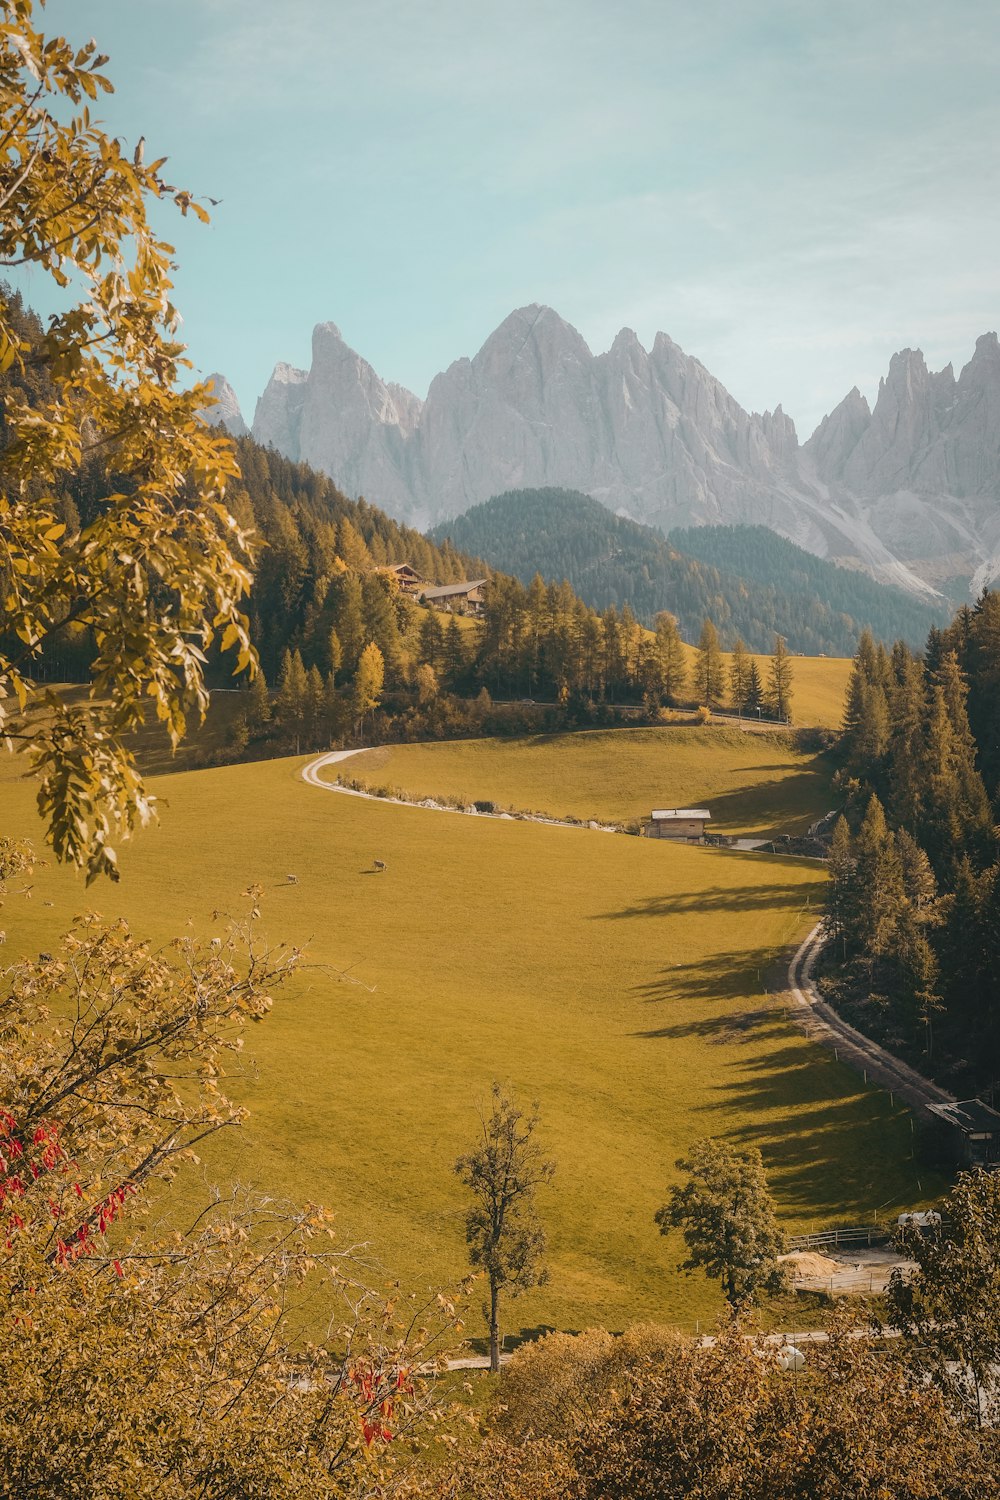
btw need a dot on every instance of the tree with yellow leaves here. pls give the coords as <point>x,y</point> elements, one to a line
<point>161,570</point>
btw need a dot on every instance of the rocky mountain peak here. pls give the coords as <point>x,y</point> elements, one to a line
<point>226,411</point>
<point>657,437</point>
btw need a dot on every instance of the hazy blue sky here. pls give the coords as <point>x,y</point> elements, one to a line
<point>791,190</point>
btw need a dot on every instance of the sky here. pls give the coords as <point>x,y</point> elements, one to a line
<point>791,190</point>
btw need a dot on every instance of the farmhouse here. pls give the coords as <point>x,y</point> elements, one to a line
<point>975,1132</point>
<point>409,580</point>
<point>464,598</point>
<point>686,823</point>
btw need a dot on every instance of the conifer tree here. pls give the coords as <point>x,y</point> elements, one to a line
<point>879,882</point>
<point>351,547</point>
<point>315,707</point>
<point>430,639</point>
<point>348,620</point>
<point>754,698</point>
<point>368,683</point>
<point>709,673</point>
<point>907,717</point>
<point>292,692</point>
<point>335,652</point>
<point>780,680</point>
<point>673,663</point>
<point>378,612</point>
<point>455,660</point>
<point>739,676</point>
<point>842,897</point>
<point>258,711</point>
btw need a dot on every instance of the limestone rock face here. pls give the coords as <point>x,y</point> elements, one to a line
<point>226,411</point>
<point>908,489</point>
<point>278,414</point>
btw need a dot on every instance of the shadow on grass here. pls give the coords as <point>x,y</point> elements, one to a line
<point>739,975</point>
<point>721,898</point>
<point>830,1144</point>
<point>786,804</point>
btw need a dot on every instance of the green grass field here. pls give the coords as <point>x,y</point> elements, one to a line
<point>752,783</point>
<point>622,982</point>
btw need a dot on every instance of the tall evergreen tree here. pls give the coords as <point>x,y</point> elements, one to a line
<point>879,882</point>
<point>709,673</point>
<point>368,683</point>
<point>739,676</point>
<point>779,682</point>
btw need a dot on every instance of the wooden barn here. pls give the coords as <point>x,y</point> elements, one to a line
<point>409,580</point>
<point>459,598</point>
<point>684,823</point>
<point>973,1134</point>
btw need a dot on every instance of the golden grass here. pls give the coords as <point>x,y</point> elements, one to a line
<point>751,783</point>
<point>621,982</point>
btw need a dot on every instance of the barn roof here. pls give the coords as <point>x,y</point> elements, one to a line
<point>448,589</point>
<point>972,1116</point>
<point>663,814</point>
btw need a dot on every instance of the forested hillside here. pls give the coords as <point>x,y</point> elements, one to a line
<point>763,558</point>
<point>915,888</point>
<point>345,649</point>
<point>610,560</point>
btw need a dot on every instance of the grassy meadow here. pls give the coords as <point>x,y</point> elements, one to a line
<point>623,983</point>
<point>752,783</point>
<point>819,686</point>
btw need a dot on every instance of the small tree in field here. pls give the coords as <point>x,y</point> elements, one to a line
<point>727,1215</point>
<point>502,1230</point>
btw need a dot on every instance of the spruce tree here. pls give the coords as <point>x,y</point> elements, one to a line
<point>907,715</point>
<point>739,673</point>
<point>755,697</point>
<point>842,894</point>
<point>709,673</point>
<point>378,611</point>
<point>670,651</point>
<point>347,619</point>
<point>291,701</point>
<point>779,683</point>
<point>455,660</point>
<point>879,883</point>
<point>430,639</point>
<point>258,710</point>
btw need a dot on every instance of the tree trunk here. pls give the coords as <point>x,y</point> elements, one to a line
<point>494,1328</point>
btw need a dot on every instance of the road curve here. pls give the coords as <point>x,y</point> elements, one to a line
<point>310,773</point>
<point>821,1022</point>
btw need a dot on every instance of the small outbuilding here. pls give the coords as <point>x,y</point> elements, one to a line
<point>683,823</point>
<point>974,1132</point>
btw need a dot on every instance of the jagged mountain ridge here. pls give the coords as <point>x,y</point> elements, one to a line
<point>909,490</point>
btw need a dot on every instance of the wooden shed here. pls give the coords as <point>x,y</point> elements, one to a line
<point>974,1132</point>
<point>678,823</point>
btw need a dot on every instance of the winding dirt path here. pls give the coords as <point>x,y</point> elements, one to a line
<point>822,1023</point>
<point>310,773</point>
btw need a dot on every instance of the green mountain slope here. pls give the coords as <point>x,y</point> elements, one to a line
<point>608,559</point>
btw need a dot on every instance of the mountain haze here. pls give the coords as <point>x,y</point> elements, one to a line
<point>908,490</point>
<point>751,583</point>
